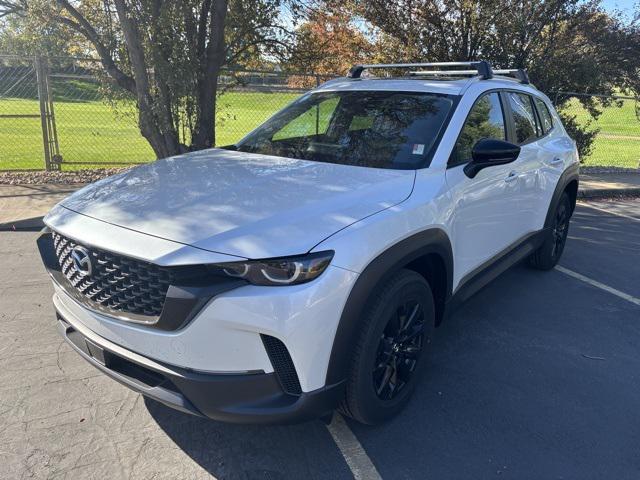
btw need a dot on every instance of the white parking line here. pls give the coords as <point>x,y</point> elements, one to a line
<point>359,462</point>
<point>599,285</point>
<point>590,205</point>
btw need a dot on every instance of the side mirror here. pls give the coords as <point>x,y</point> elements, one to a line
<point>488,152</point>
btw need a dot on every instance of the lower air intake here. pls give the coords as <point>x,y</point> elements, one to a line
<point>282,364</point>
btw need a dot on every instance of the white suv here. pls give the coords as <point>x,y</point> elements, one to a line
<point>305,268</point>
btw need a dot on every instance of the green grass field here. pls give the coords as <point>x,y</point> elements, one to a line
<point>90,131</point>
<point>618,143</point>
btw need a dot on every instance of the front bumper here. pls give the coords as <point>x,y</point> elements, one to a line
<point>226,328</point>
<point>241,353</point>
<point>255,398</point>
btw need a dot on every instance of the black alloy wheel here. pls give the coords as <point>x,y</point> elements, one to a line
<point>560,229</point>
<point>547,256</point>
<point>401,344</point>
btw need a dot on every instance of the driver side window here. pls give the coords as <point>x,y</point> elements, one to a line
<point>485,120</point>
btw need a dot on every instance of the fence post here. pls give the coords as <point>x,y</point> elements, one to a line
<point>54,148</point>
<point>41,78</point>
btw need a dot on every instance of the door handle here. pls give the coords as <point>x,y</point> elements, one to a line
<point>513,176</point>
<point>556,161</point>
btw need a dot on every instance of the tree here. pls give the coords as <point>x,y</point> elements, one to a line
<point>26,36</point>
<point>329,42</point>
<point>567,45</point>
<point>167,54</point>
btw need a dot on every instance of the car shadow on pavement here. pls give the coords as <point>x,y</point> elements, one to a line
<point>252,452</point>
<point>531,378</point>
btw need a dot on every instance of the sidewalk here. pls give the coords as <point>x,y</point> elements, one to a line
<point>23,206</point>
<point>605,185</point>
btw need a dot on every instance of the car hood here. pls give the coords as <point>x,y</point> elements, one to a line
<point>251,206</point>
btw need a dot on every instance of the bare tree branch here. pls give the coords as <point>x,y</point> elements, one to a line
<point>82,26</point>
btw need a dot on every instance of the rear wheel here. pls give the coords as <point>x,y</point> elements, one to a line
<point>391,350</point>
<point>547,256</point>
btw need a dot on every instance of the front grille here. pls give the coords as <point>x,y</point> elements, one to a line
<point>116,283</point>
<point>282,364</point>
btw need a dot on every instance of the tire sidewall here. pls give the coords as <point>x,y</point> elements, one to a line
<point>407,285</point>
<point>545,258</point>
<point>566,204</point>
<point>550,257</point>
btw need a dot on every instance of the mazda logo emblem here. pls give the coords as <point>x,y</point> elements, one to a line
<point>81,260</point>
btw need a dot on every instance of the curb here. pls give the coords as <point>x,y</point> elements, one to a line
<point>609,193</point>
<point>34,224</point>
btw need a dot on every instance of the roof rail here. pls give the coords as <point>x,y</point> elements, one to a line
<point>519,74</point>
<point>481,68</point>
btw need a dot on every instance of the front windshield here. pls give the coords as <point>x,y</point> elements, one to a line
<point>377,129</point>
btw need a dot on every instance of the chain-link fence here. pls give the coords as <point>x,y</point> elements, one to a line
<point>615,122</point>
<point>248,98</point>
<point>56,114</point>
<point>92,129</point>
<point>21,144</point>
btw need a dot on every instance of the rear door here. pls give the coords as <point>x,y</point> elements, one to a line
<point>485,217</point>
<point>556,153</point>
<point>544,153</point>
<point>526,131</point>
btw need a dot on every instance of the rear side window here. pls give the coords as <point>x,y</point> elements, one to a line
<point>524,117</point>
<point>485,120</point>
<point>545,115</point>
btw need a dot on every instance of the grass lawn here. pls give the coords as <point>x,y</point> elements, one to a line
<point>618,143</point>
<point>90,131</point>
<point>241,112</point>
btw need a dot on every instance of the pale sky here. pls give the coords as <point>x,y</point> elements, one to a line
<point>626,6</point>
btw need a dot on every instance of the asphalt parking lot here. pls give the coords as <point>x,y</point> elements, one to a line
<point>537,376</point>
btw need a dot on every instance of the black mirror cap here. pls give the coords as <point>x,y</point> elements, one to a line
<point>488,152</point>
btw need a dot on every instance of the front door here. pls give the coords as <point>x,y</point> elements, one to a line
<point>485,217</point>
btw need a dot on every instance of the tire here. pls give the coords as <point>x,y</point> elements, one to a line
<point>398,354</point>
<point>547,256</point>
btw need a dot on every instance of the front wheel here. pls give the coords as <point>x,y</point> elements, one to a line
<point>391,350</point>
<point>547,256</point>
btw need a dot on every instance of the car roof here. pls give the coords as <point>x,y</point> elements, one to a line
<point>418,84</point>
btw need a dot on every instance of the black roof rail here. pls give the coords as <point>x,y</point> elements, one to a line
<point>481,68</point>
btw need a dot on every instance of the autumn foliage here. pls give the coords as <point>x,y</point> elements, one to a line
<point>328,43</point>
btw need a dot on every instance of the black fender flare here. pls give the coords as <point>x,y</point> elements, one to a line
<point>569,175</point>
<point>433,240</point>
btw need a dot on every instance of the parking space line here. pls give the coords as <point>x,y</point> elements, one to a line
<point>599,285</point>
<point>589,205</point>
<point>359,462</point>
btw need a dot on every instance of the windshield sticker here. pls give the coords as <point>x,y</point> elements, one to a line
<point>418,148</point>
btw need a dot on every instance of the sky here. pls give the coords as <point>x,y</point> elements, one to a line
<point>626,6</point>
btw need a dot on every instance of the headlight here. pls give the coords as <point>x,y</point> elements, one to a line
<point>277,271</point>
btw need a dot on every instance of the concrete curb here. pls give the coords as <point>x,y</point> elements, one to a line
<point>34,224</point>
<point>593,194</point>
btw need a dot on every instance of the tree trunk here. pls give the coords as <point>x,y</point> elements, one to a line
<point>156,124</point>
<point>156,103</point>
<point>204,136</point>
